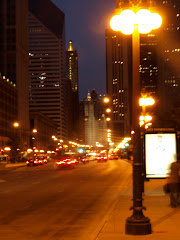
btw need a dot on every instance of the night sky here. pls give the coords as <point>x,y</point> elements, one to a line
<point>86,21</point>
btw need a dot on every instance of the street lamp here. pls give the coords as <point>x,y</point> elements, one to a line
<point>16,124</point>
<point>135,19</point>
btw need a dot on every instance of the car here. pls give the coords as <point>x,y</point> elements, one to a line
<point>33,162</point>
<point>64,162</point>
<point>102,158</point>
<point>42,159</point>
<point>84,159</point>
<point>113,156</point>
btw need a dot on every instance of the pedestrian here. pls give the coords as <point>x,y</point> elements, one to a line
<point>174,183</point>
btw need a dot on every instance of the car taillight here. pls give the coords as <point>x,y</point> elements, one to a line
<point>35,161</point>
<point>58,163</point>
<point>27,162</point>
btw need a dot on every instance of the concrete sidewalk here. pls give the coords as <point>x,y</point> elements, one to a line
<point>165,221</point>
<point>15,165</point>
<point>11,166</point>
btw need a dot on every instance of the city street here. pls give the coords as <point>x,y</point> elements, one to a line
<point>42,203</point>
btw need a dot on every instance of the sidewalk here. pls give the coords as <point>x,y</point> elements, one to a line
<point>165,221</point>
<point>11,166</point>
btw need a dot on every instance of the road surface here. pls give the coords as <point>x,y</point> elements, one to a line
<point>41,203</point>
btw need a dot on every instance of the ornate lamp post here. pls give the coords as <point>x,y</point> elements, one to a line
<point>132,18</point>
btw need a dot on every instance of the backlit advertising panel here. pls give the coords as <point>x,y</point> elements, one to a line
<point>160,152</point>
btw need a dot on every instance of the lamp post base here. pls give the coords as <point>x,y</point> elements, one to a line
<point>138,226</point>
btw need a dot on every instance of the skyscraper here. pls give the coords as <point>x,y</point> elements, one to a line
<point>159,71</point>
<point>118,82</point>
<point>73,92</point>
<point>169,76</point>
<point>14,56</point>
<point>94,120</point>
<point>47,80</point>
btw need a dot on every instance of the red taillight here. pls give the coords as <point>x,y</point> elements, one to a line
<point>27,162</point>
<point>59,163</point>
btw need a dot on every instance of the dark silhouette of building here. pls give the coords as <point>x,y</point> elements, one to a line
<point>8,110</point>
<point>14,56</point>
<point>118,82</point>
<point>47,62</point>
<point>169,54</point>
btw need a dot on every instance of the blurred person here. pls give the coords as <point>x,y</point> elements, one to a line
<point>174,182</point>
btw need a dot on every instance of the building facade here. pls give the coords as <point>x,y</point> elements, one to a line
<point>42,130</point>
<point>8,110</point>
<point>169,52</point>
<point>118,82</point>
<point>95,125</point>
<point>14,56</point>
<point>47,80</point>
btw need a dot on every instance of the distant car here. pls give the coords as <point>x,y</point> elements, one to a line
<point>84,159</point>
<point>64,162</point>
<point>113,156</point>
<point>42,159</point>
<point>102,158</point>
<point>33,162</point>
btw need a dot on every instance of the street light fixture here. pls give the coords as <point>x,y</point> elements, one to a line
<point>16,124</point>
<point>135,19</point>
<point>106,100</point>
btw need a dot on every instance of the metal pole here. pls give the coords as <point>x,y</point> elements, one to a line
<point>137,224</point>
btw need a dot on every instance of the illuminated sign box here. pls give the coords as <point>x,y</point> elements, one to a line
<point>160,152</point>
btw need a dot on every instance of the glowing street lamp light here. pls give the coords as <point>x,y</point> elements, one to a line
<point>106,100</point>
<point>146,101</point>
<point>16,124</point>
<point>108,110</point>
<point>128,19</point>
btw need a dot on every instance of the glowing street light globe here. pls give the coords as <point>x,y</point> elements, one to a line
<point>156,20</point>
<point>143,20</point>
<point>115,22</point>
<point>127,21</point>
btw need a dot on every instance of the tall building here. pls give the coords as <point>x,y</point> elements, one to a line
<point>47,80</point>
<point>14,56</point>
<point>95,125</point>
<point>73,92</point>
<point>118,82</point>
<point>8,110</point>
<point>169,52</point>
<point>159,71</point>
